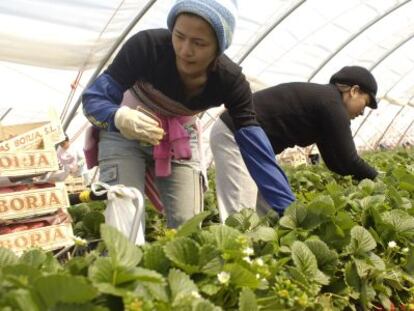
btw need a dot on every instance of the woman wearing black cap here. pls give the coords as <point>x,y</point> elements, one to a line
<point>299,114</point>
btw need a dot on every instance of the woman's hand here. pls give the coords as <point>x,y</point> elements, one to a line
<point>136,125</point>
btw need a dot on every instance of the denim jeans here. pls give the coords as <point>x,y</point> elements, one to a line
<point>123,161</point>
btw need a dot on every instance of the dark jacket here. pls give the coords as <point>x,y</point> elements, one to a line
<point>149,56</point>
<point>306,113</point>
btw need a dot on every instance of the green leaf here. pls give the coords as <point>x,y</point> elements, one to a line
<point>344,220</point>
<point>406,204</point>
<point>225,237</point>
<point>246,219</point>
<point>376,261</point>
<point>117,281</point>
<point>204,237</point>
<point>210,261</point>
<point>304,259</point>
<point>294,216</point>
<point>148,276</point>
<point>78,211</point>
<point>7,257</point>
<point>407,182</point>
<point>327,259</point>
<point>401,222</point>
<point>362,267</point>
<point>80,265</point>
<point>121,250</point>
<point>247,300</point>
<point>192,225</point>
<point>63,288</point>
<point>262,233</point>
<point>101,271</point>
<point>51,264</point>
<point>157,291</point>
<point>315,178</point>
<point>385,302</point>
<point>184,253</point>
<point>367,186</point>
<point>409,265</point>
<point>19,299</point>
<point>180,284</point>
<point>241,277</point>
<point>321,278</point>
<point>109,289</point>
<point>298,276</point>
<point>394,196</point>
<point>92,222</point>
<point>78,307</point>
<point>351,277</point>
<point>288,221</point>
<point>192,303</point>
<point>322,206</point>
<point>204,305</point>
<point>288,239</point>
<point>33,257</point>
<point>155,258</point>
<point>209,289</point>
<point>372,201</point>
<point>25,273</point>
<point>361,241</point>
<point>124,276</point>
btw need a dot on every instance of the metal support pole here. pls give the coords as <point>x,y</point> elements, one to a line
<point>388,127</point>
<point>118,42</point>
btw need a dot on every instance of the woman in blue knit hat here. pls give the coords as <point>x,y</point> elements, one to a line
<point>145,105</point>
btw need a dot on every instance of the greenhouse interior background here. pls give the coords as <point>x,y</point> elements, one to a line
<point>341,244</point>
<point>50,50</point>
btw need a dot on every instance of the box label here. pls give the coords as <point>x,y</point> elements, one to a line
<point>34,202</point>
<point>47,238</point>
<point>28,162</point>
<point>50,133</point>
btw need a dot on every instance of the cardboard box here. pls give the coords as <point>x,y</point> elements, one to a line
<point>34,202</point>
<point>28,162</point>
<point>47,238</point>
<point>46,135</point>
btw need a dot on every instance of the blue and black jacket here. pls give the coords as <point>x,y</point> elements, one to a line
<point>149,56</point>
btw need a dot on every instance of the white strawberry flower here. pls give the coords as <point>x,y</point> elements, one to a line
<point>392,244</point>
<point>223,277</point>
<point>248,251</point>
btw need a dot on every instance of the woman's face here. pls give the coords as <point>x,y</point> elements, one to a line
<point>195,45</point>
<point>355,101</point>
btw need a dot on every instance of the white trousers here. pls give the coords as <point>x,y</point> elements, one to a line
<point>235,187</point>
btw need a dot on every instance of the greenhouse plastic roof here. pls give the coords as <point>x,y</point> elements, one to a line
<point>51,49</point>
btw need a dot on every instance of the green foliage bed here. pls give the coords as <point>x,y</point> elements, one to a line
<point>342,246</point>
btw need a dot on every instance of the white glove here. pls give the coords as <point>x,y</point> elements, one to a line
<point>136,125</point>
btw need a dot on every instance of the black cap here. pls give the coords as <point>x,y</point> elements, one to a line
<point>356,75</point>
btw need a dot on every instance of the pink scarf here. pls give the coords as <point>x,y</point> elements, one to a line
<point>175,144</point>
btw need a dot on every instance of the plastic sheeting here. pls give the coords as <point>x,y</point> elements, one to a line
<point>49,49</point>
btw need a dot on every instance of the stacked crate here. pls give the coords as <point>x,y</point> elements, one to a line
<point>293,157</point>
<point>33,208</point>
<point>74,184</point>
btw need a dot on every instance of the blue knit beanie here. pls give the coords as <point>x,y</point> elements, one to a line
<point>220,14</point>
